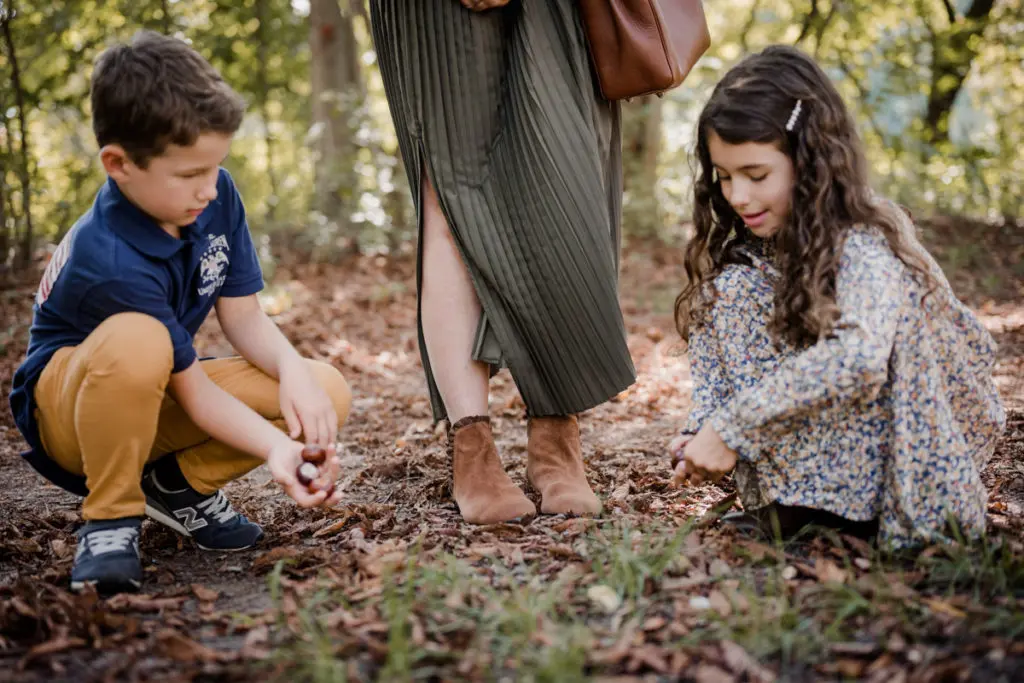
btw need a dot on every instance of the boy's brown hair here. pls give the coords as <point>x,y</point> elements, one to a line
<point>158,91</point>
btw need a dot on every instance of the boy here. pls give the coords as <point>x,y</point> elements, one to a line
<point>111,397</point>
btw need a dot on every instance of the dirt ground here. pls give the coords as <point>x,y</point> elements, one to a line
<point>330,610</point>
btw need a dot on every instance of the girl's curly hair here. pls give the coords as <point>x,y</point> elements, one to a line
<point>753,103</point>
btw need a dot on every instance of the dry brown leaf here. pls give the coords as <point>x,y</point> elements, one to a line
<point>256,644</point>
<point>720,603</point>
<point>943,607</point>
<point>719,568</point>
<point>741,662</point>
<point>621,493</point>
<point>22,608</point>
<point>707,673</point>
<point>182,649</point>
<point>828,571</point>
<point>50,647</point>
<point>204,594</point>
<point>333,528</point>
<point>61,548</point>
<point>655,624</point>
<point>851,668</point>
<point>648,656</point>
<point>143,603</point>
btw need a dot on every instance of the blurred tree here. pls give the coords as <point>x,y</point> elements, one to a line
<point>7,16</point>
<point>337,89</point>
<point>642,216</point>
<point>937,85</point>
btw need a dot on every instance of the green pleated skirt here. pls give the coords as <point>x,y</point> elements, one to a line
<point>500,109</point>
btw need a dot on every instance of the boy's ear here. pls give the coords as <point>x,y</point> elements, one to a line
<point>116,162</point>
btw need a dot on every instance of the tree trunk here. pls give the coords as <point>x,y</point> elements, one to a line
<point>641,145</point>
<point>337,85</point>
<point>24,170</point>
<point>954,50</point>
<point>5,241</point>
<point>263,95</point>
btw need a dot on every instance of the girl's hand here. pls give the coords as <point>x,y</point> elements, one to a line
<point>481,5</point>
<point>675,452</point>
<point>705,458</point>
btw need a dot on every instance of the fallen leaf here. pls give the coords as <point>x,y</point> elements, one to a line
<point>144,603</point>
<point>61,548</point>
<point>720,603</point>
<point>706,673</point>
<point>648,656</point>
<point>50,647</point>
<point>204,594</point>
<point>179,648</point>
<point>655,624</point>
<point>332,528</point>
<point>604,597</point>
<point>741,662</point>
<point>828,571</point>
<point>855,649</point>
<point>621,493</point>
<point>22,608</point>
<point>256,644</point>
<point>851,668</point>
<point>28,546</point>
<point>943,607</point>
<point>719,568</point>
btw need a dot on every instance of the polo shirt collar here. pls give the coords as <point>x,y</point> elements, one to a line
<point>138,229</point>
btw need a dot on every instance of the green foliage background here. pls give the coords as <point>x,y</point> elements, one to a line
<point>937,85</point>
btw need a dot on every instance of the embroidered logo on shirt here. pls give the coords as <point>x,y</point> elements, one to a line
<point>213,265</point>
<point>57,262</point>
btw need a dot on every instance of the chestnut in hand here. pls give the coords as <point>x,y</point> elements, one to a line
<point>309,472</point>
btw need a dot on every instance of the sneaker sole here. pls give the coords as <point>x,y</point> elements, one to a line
<point>158,515</point>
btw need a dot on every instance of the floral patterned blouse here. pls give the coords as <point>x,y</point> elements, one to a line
<point>891,417</point>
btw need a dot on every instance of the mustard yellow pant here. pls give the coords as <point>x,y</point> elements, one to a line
<point>104,413</point>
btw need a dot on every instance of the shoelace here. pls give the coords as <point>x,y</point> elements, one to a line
<point>111,540</point>
<point>219,507</point>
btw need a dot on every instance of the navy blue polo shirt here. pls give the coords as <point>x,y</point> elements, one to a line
<point>116,259</point>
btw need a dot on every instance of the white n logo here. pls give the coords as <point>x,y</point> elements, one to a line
<point>190,519</point>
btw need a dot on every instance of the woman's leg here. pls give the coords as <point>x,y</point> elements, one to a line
<point>450,314</point>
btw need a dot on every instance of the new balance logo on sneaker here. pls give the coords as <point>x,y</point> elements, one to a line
<point>190,519</point>
<point>108,556</point>
<point>210,520</point>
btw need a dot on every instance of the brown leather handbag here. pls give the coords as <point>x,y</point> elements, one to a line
<point>643,46</point>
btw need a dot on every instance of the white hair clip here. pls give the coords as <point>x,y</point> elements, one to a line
<point>794,116</point>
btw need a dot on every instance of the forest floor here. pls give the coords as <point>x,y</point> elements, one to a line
<point>391,585</point>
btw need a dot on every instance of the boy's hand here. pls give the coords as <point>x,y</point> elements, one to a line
<point>306,407</point>
<point>284,459</point>
<point>705,458</point>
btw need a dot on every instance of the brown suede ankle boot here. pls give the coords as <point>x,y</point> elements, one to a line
<point>482,489</point>
<point>555,466</point>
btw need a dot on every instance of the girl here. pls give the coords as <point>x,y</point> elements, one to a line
<point>834,369</point>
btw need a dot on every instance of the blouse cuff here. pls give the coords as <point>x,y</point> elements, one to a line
<point>734,436</point>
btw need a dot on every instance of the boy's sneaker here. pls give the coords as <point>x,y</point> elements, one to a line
<point>210,520</point>
<point>108,556</point>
